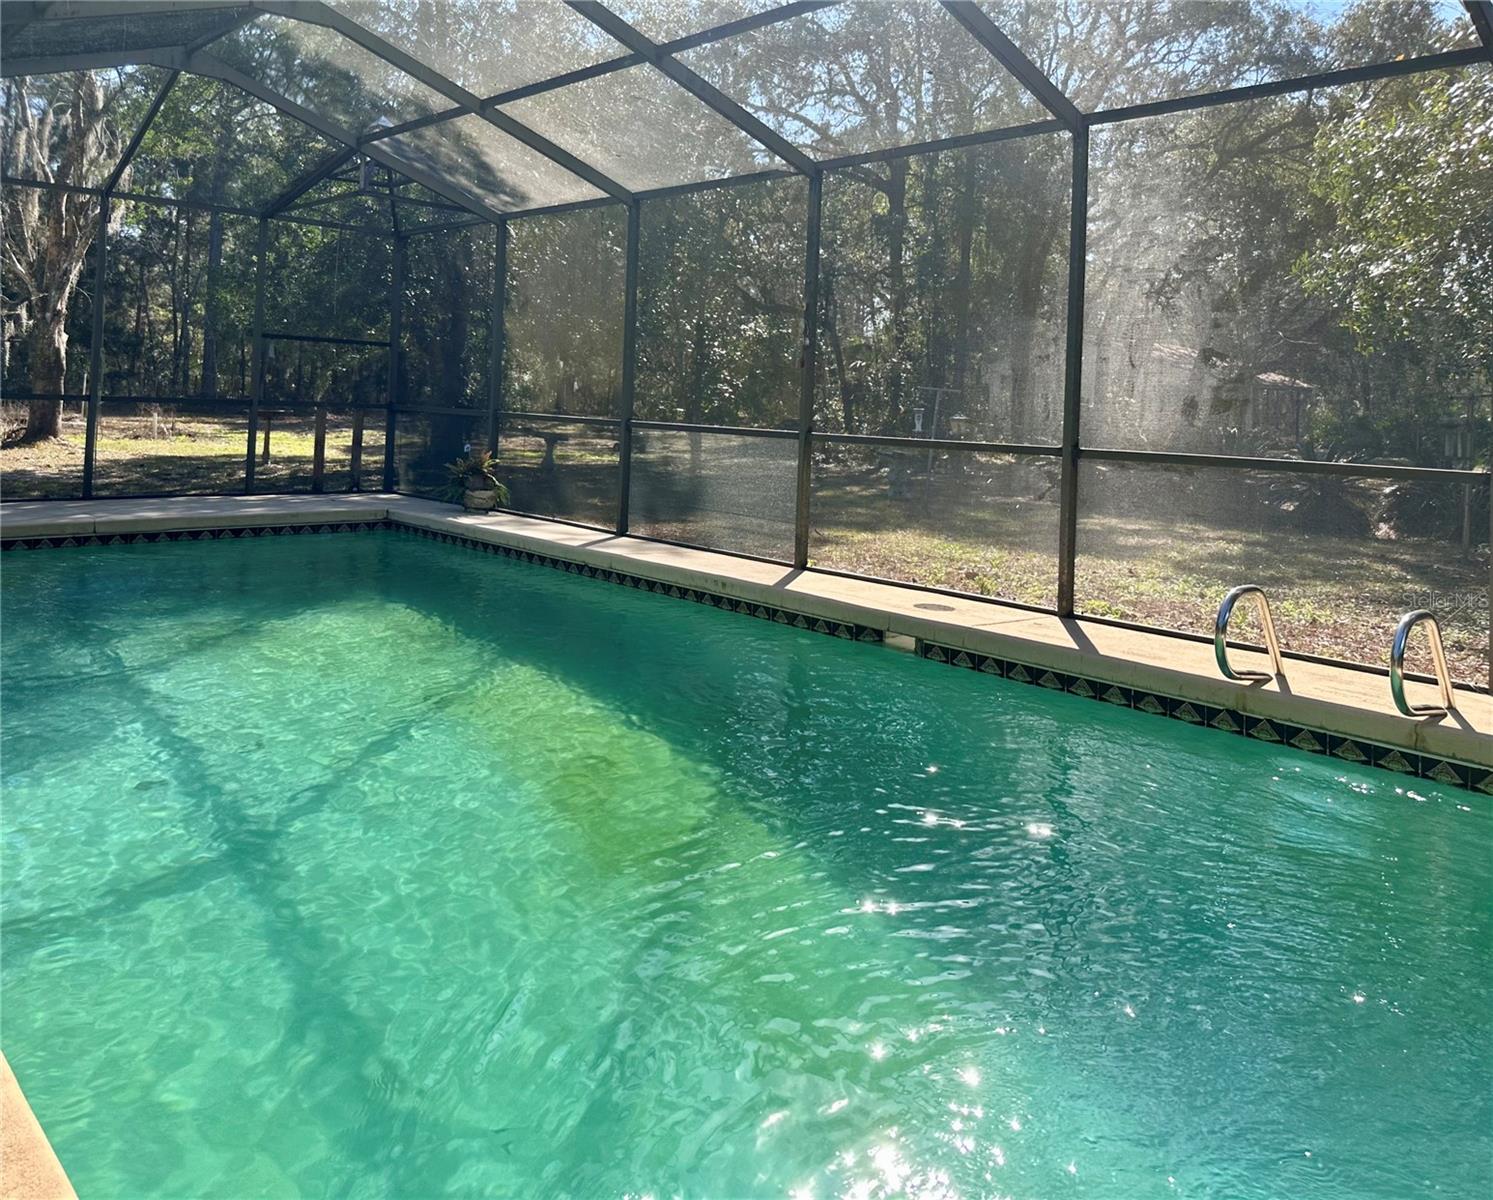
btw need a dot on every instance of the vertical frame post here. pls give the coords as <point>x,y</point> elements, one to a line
<point>319,451</point>
<point>629,360</point>
<point>1073,373</point>
<point>396,349</point>
<point>96,351</point>
<point>808,366</point>
<point>496,349</point>
<point>256,381</point>
<point>355,468</point>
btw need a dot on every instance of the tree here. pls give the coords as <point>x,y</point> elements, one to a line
<point>62,133</point>
<point>1406,176</point>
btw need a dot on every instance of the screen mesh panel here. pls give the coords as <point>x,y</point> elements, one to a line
<point>1253,290</point>
<point>641,129</point>
<point>716,490</point>
<point>47,349</point>
<point>170,448</point>
<point>1105,55</point>
<point>308,374</point>
<point>866,75</point>
<point>326,72</point>
<point>561,469</point>
<point>667,20</point>
<point>424,443</point>
<point>980,523</point>
<point>178,317</point>
<point>488,46</point>
<point>368,211</point>
<point>448,280</point>
<point>106,105</point>
<point>103,30</point>
<point>213,142</point>
<point>48,470</point>
<point>352,437</point>
<point>487,163</point>
<point>943,286</point>
<point>563,324</point>
<point>720,305</point>
<point>1341,559</point>
<point>329,282</point>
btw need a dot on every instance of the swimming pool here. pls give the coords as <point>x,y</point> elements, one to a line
<point>366,866</point>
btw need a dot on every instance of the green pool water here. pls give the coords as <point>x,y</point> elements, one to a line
<point>361,866</point>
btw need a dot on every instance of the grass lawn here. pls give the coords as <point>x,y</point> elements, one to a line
<point>142,454</point>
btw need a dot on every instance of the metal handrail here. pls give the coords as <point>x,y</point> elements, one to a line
<point>1221,630</point>
<point>1438,656</point>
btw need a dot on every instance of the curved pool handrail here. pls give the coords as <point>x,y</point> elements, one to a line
<point>1221,632</point>
<point>1438,656</point>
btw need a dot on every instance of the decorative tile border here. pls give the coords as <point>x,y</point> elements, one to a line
<point>1225,720</point>
<point>70,540</point>
<point>765,612</point>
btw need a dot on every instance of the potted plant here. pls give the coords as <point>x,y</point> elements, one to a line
<point>472,482</point>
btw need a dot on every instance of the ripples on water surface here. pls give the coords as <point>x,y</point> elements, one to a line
<point>366,867</point>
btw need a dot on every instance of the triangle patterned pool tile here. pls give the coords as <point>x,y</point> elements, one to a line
<point>1305,739</point>
<point>1149,704</point>
<point>1227,721</point>
<point>963,660</point>
<point>1113,695</point>
<point>1265,731</point>
<point>1444,772</point>
<point>1019,673</point>
<point>1485,784</point>
<point>1349,751</point>
<point>1048,680</point>
<point>1081,687</point>
<point>1393,760</point>
<point>992,666</point>
<point>1185,712</point>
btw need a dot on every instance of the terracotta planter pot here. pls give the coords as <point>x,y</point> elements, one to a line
<point>474,500</point>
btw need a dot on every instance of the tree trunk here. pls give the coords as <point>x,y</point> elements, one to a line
<point>896,245</point>
<point>47,346</point>
<point>210,317</point>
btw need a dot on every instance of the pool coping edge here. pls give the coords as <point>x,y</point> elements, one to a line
<point>29,1167</point>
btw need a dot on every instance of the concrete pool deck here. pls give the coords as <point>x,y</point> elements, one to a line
<point>1153,672</point>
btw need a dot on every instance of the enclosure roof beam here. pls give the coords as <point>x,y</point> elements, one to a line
<point>316,13</point>
<point>988,34</point>
<point>234,210</point>
<point>1481,12</point>
<point>299,187</point>
<point>707,93</point>
<point>96,60</point>
<point>1472,56</point>
<point>206,64</point>
<point>150,115</point>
